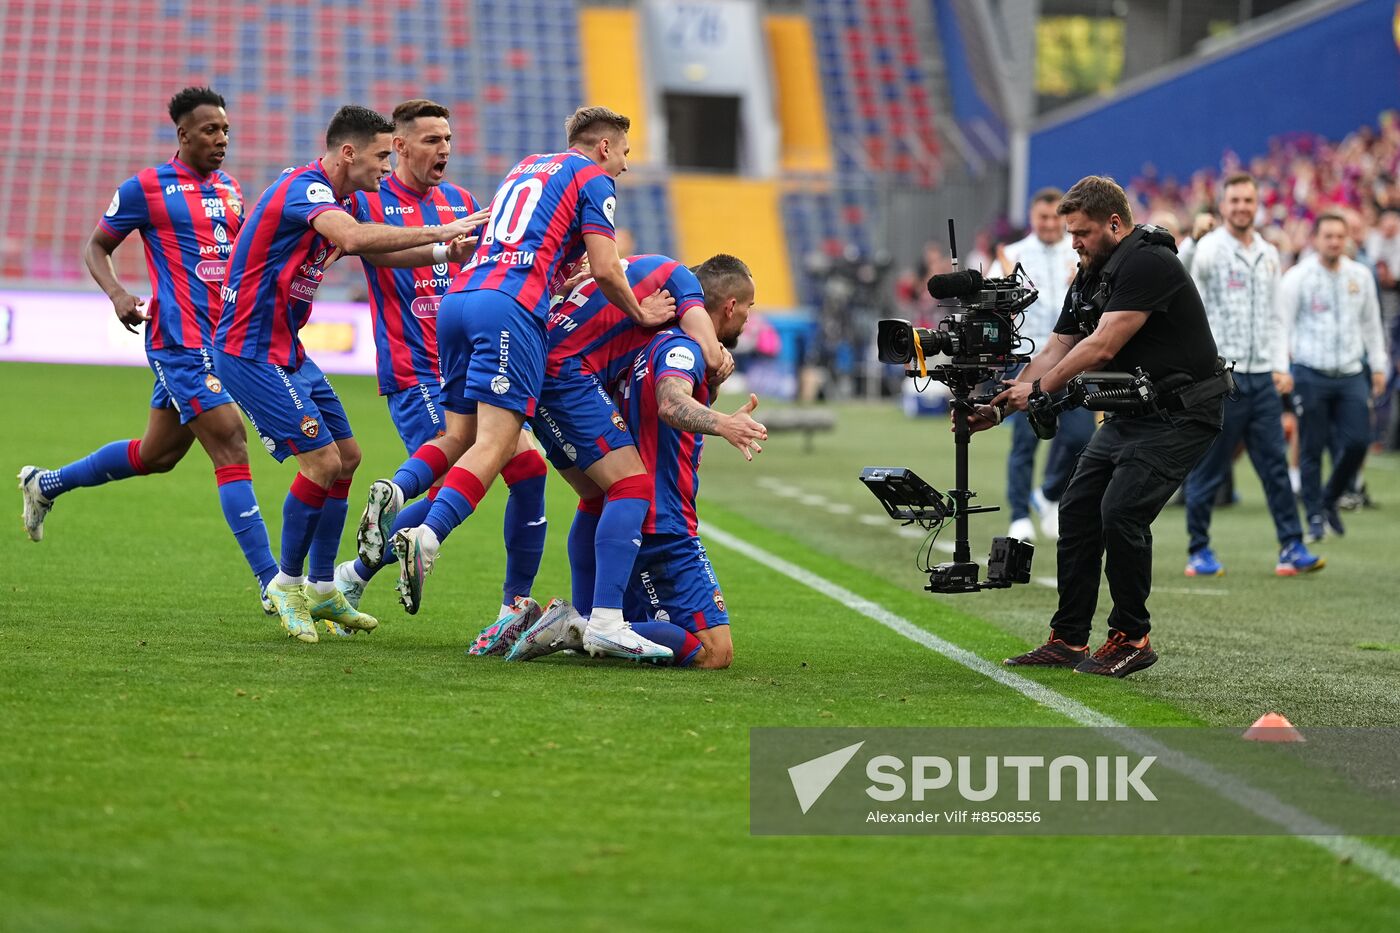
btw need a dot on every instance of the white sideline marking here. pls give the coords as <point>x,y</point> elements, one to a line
<point>1261,803</point>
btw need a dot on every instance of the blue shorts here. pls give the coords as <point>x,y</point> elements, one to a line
<point>491,350</point>
<point>417,414</point>
<point>577,421</point>
<point>293,410</point>
<point>674,582</point>
<point>185,381</point>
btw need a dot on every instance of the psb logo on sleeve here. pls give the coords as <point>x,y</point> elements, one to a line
<point>318,193</point>
<point>115,205</point>
<point>609,208</point>
<point>680,358</point>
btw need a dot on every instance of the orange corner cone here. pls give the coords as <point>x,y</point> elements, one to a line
<point>1273,727</point>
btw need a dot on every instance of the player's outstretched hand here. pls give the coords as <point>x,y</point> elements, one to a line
<point>464,225</point>
<point>581,272</point>
<point>743,432</point>
<point>461,249</point>
<point>657,308</point>
<point>130,311</point>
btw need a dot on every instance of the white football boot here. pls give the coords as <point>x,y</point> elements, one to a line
<point>350,585</point>
<point>1022,529</point>
<point>36,505</point>
<point>377,522</point>
<point>560,628</point>
<point>416,550</point>
<point>622,642</point>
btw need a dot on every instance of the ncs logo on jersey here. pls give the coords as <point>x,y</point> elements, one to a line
<point>318,193</point>
<point>310,426</point>
<point>115,205</point>
<point>609,207</point>
<point>212,383</point>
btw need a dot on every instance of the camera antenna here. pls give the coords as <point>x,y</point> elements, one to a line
<point>953,244</point>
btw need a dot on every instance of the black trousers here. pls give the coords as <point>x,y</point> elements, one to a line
<point>1126,474</point>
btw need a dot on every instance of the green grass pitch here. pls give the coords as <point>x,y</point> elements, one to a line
<point>170,761</point>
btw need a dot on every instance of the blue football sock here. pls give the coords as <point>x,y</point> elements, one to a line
<point>420,471</point>
<point>301,513</point>
<point>525,530</point>
<point>245,520</point>
<point>616,542</point>
<point>583,562</point>
<point>455,502</point>
<point>326,540</point>
<point>117,460</point>
<point>684,646</point>
<point>410,516</point>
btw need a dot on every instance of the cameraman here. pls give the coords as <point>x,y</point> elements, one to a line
<point>1131,305</point>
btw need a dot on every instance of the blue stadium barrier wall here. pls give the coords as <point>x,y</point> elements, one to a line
<point>1330,76</point>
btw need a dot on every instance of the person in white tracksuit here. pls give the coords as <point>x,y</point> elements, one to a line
<point>1331,314</point>
<point>1237,273</point>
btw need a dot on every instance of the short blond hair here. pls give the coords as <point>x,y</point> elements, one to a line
<point>590,124</point>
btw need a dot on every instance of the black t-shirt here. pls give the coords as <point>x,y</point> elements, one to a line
<point>1176,337</point>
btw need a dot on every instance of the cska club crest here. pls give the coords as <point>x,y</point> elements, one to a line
<point>719,600</point>
<point>310,426</point>
<point>618,422</point>
<point>212,383</point>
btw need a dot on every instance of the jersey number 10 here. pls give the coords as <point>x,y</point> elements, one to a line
<point>511,210</point>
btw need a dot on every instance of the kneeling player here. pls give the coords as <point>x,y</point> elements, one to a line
<point>667,398</point>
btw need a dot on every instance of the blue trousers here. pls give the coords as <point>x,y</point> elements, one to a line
<point>1339,406</point>
<point>1252,416</point>
<point>1076,427</point>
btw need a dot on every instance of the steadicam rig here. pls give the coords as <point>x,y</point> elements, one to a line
<point>977,342</point>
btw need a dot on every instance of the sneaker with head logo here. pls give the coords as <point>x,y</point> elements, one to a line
<point>1118,657</point>
<point>1054,653</point>
<point>1295,559</point>
<point>1203,564</point>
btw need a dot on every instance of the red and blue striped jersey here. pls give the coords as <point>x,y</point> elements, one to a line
<point>538,220</point>
<point>587,327</point>
<point>404,302</point>
<point>188,224</point>
<point>671,456</point>
<point>277,265</point>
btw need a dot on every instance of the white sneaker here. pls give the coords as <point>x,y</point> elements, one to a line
<point>416,550</point>
<point>1047,513</point>
<point>622,643</point>
<point>36,506</point>
<point>559,628</point>
<point>349,584</point>
<point>377,522</point>
<point>1022,529</point>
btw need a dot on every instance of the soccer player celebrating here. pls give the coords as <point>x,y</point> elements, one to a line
<point>297,228</point>
<point>668,395</point>
<point>404,303</point>
<point>188,211</point>
<point>592,344</point>
<point>550,210</point>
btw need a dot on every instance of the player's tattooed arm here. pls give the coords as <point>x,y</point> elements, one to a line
<point>678,408</point>
<point>682,411</point>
